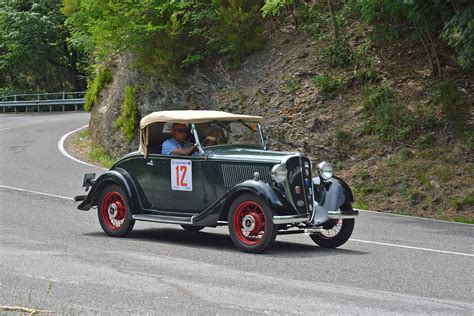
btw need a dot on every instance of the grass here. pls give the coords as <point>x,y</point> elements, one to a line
<point>94,86</point>
<point>128,119</point>
<point>292,86</point>
<point>98,154</point>
<point>331,84</point>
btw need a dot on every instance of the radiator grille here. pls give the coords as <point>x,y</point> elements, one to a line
<point>235,174</point>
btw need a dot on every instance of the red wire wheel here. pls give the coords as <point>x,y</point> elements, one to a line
<point>250,224</point>
<point>336,233</point>
<point>114,212</point>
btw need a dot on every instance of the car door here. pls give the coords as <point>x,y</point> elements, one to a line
<point>174,183</point>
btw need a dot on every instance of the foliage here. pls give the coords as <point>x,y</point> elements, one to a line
<point>99,155</point>
<point>127,121</point>
<point>459,33</point>
<point>166,36</point>
<point>331,84</point>
<point>386,116</point>
<point>448,97</point>
<point>452,20</point>
<point>34,53</point>
<point>94,86</point>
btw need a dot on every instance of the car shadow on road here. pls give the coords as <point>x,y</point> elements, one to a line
<point>211,240</point>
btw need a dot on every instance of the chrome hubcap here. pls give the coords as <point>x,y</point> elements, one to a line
<point>248,223</point>
<point>112,210</point>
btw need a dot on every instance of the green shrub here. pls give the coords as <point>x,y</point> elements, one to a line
<point>450,100</point>
<point>292,86</point>
<point>99,155</point>
<point>331,84</point>
<point>343,135</point>
<point>94,86</point>
<point>385,116</point>
<point>427,140</point>
<point>338,53</point>
<point>127,121</point>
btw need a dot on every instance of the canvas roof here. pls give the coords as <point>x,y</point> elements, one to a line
<point>195,116</point>
<point>187,117</point>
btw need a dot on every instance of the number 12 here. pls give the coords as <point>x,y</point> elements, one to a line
<point>182,170</point>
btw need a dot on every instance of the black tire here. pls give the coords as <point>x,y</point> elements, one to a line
<point>257,213</point>
<point>343,230</point>
<point>122,223</point>
<point>192,229</point>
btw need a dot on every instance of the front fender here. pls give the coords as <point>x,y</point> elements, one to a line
<point>330,196</point>
<point>116,176</point>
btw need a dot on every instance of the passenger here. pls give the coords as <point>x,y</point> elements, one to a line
<point>177,144</point>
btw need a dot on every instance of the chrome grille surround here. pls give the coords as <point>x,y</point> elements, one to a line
<point>234,174</point>
<point>296,177</point>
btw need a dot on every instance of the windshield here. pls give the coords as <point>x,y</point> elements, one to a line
<point>229,133</point>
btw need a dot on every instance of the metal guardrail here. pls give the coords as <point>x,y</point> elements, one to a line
<point>13,103</point>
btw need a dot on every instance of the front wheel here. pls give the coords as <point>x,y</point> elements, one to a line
<point>251,225</point>
<point>336,234</point>
<point>114,212</point>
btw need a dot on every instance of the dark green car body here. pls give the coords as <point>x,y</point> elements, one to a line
<point>218,177</point>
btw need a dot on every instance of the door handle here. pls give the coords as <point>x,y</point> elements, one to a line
<point>150,163</point>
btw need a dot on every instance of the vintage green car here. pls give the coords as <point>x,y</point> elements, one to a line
<point>231,179</point>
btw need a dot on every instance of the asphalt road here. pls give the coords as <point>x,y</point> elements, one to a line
<point>55,257</point>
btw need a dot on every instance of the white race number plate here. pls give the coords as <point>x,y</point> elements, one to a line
<point>181,175</point>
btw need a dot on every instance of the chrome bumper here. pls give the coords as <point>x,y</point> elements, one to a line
<point>342,215</point>
<point>288,219</point>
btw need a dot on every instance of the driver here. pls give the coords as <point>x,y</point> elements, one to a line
<point>177,144</point>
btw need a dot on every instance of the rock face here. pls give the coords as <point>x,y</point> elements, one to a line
<point>274,83</point>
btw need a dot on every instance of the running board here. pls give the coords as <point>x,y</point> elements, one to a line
<point>163,219</point>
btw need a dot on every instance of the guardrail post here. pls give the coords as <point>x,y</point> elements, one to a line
<point>15,108</point>
<point>64,95</point>
<point>75,107</point>
<point>14,97</point>
<point>62,107</point>
<point>38,108</point>
<point>50,109</point>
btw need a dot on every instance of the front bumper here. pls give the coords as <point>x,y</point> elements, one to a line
<point>338,214</point>
<point>288,219</point>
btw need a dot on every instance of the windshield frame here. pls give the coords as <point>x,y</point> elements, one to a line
<point>263,144</point>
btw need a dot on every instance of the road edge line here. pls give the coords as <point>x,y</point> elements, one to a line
<point>412,247</point>
<point>63,151</point>
<point>37,192</point>
<point>411,216</point>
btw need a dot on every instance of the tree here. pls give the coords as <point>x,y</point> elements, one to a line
<point>35,54</point>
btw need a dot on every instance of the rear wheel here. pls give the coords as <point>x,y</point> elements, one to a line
<point>191,228</point>
<point>251,225</point>
<point>114,212</point>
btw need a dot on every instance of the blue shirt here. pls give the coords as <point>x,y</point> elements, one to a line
<point>172,144</point>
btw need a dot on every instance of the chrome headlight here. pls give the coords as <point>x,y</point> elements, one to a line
<point>325,170</point>
<point>279,173</point>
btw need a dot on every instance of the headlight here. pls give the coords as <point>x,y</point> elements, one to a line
<point>279,173</point>
<point>325,170</point>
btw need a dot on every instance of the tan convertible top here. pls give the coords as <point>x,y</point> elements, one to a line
<point>187,117</point>
<point>194,116</point>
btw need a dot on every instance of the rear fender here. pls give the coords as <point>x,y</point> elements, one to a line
<point>119,177</point>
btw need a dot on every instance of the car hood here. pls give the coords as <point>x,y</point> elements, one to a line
<point>248,154</point>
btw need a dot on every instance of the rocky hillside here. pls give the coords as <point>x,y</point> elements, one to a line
<point>401,137</point>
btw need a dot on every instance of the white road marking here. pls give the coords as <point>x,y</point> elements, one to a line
<point>410,216</point>
<point>17,126</point>
<point>66,154</point>
<point>36,192</point>
<point>411,247</point>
